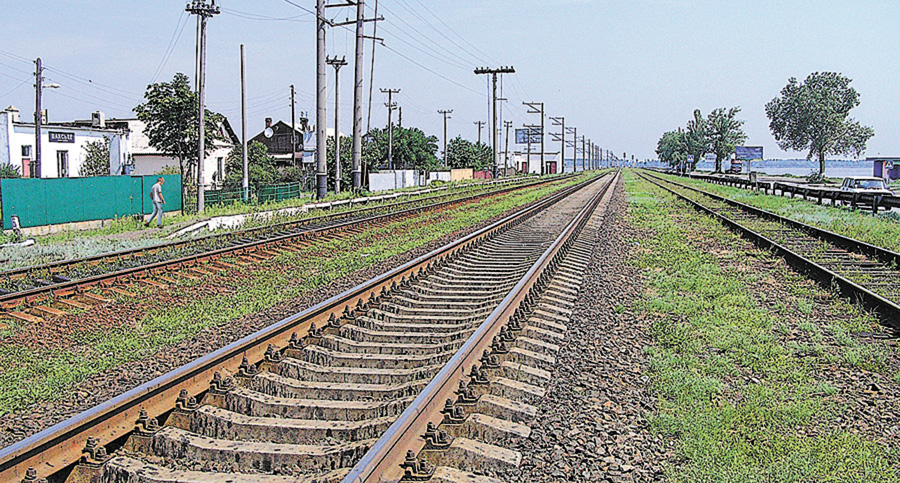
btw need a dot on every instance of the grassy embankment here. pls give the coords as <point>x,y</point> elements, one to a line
<point>29,374</point>
<point>882,230</point>
<point>744,398</point>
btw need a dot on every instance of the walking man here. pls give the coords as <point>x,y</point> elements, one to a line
<point>156,197</point>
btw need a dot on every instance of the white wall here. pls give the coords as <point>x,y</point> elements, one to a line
<point>388,180</point>
<point>23,135</point>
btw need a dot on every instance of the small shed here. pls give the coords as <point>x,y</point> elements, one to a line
<point>885,167</point>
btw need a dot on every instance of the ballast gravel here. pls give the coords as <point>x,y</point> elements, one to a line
<point>591,425</point>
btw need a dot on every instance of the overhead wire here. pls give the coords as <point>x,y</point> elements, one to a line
<point>170,48</point>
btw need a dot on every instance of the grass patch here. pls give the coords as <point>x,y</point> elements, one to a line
<point>737,399</point>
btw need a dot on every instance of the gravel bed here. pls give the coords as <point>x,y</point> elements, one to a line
<point>591,426</point>
<point>101,387</point>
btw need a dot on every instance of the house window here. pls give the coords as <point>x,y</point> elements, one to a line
<point>26,151</point>
<point>221,173</point>
<point>62,163</point>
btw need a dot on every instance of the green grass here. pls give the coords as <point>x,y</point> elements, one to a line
<point>30,375</point>
<point>730,391</point>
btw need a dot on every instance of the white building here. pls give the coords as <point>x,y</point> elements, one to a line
<point>62,145</point>
<point>520,160</point>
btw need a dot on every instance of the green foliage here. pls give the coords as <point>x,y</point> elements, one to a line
<point>412,149</point>
<point>673,148</point>
<point>346,162</point>
<point>96,158</point>
<point>261,168</point>
<point>9,171</point>
<point>172,117</point>
<point>169,170</point>
<point>814,115</point>
<point>291,174</point>
<point>724,132</point>
<point>462,153</point>
<point>697,138</point>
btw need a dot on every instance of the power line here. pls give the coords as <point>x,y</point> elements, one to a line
<point>14,88</point>
<point>434,72</point>
<point>170,48</point>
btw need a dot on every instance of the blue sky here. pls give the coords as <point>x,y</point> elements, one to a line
<point>622,72</point>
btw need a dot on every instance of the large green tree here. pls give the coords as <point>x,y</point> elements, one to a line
<point>672,147</point>
<point>813,116</point>
<point>697,138</point>
<point>724,132</point>
<point>96,158</point>
<point>412,149</point>
<point>462,153</point>
<point>171,112</point>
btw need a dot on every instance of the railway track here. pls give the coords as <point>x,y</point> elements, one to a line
<point>455,346</point>
<point>52,289</point>
<point>861,271</point>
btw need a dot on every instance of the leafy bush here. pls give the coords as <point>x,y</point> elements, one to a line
<point>9,171</point>
<point>815,177</point>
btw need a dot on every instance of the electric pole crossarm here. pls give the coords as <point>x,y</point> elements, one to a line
<point>353,22</point>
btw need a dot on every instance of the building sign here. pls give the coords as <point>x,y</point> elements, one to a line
<point>62,137</point>
<point>522,136</point>
<point>748,153</point>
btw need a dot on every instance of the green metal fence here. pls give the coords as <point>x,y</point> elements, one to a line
<point>39,202</point>
<point>256,195</point>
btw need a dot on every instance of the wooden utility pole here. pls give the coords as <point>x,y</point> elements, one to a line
<point>245,181</point>
<point>480,125</point>
<point>561,121</point>
<point>494,132</point>
<point>507,125</point>
<point>446,114</point>
<point>204,11</point>
<point>538,108</point>
<point>337,64</point>
<point>38,115</point>
<point>357,96</point>
<point>390,105</point>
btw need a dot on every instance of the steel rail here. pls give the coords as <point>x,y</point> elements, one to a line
<point>887,310</point>
<point>382,462</point>
<point>73,286</point>
<point>59,447</point>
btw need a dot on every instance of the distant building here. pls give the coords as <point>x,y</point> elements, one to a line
<point>62,145</point>
<point>147,160</point>
<point>521,159</point>
<point>277,138</point>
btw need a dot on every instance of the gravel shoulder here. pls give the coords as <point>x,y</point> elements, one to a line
<point>592,426</point>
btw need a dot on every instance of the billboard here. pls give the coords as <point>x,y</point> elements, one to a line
<point>748,153</point>
<point>523,134</point>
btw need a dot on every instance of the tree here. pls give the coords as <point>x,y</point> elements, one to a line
<point>814,115</point>
<point>261,168</point>
<point>697,138</point>
<point>462,153</point>
<point>413,149</point>
<point>724,133</point>
<point>96,158</point>
<point>9,171</point>
<point>172,115</point>
<point>672,147</point>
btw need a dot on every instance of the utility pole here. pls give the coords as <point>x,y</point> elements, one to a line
<point>583,151</point>
<point>321,157</point>
<point>538,108</point>
<point>574,132</point>
<point>507,125</point>
<point>293,128</point>
<point>204,11</point>
<point>561,121</point>
<point>399,116</point>
<point>357,95</point>
<point>446,114</point>
<point>494,131</point>
<point>245,181</point>
<point>372,69</point>
<point>390,105</point>
<point>480,125</point>
<point>38,114</point>
<point>337,64</point>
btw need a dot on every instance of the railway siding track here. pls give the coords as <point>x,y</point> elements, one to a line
<point>52,289</point>
<point>305,398</point>
<point>861,271</point>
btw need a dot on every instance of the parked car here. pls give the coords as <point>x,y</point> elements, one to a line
<point>868,185</point>
<point>865,185</point>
